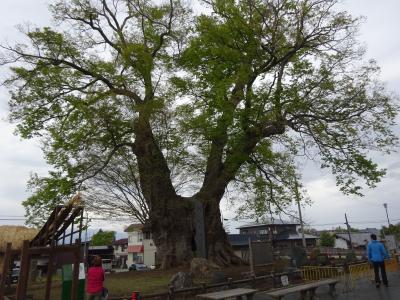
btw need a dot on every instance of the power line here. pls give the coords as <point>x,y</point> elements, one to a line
<point>5,217</point>
<point>352,222</point>
<point>21,218</point>
<point>8,216</point>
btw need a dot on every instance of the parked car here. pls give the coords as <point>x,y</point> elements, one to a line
<point>138,267</point>
<point>107,265</point>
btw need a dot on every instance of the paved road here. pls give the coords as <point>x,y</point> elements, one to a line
<point>364,290</point>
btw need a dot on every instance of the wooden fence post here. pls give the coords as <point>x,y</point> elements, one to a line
<point>75,274</point>
<point>6,270</point>
<point>203,287</point>
<point>230,283</point>
<point>24,272</point>
<point>253,282</point>
<point>49,274</point>
<point>171,292</point>
<point>273,280</point>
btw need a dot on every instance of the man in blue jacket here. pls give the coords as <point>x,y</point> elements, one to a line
<point>376,255</point>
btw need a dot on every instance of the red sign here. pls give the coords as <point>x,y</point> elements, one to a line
<point>135,249</point>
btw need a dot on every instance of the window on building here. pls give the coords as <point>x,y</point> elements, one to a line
<point>147,235</point>
<point>140,237</point>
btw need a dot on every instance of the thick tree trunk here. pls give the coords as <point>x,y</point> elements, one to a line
<point>218,248</point>
<point>171,216</point>
<point>173,233</point>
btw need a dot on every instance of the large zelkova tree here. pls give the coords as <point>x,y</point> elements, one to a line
<point>247,85</point>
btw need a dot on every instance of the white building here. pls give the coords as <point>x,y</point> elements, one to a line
<point>120,253</point>
<point>141,248</point>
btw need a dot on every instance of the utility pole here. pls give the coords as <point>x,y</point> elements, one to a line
<point>387,215</point>
<point>300,216</point>
<point>348,231</point>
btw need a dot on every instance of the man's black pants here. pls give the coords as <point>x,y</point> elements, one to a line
<point>380,265</point>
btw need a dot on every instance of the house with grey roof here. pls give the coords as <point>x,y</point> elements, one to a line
<point>282,234</point>
<point>360,239</point>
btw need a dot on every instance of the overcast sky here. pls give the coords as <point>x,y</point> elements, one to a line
<point>380,32</point>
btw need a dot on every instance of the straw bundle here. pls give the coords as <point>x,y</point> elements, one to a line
<point>75,201</point>
<point>15,235</point>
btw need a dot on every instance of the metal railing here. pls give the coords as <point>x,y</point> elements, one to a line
<point>392,265</point>
<point>347,274</point>
<point>359,271</point>
<point>317,273</point>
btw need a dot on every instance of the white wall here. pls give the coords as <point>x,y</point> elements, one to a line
<point>135,238</point>
<point>341,243</point>
<point>150,251</point>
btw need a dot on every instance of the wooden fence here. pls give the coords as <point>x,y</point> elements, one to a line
<point>188,293</point>
<point>26,254</point>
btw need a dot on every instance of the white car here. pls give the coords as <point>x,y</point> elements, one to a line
<point>106,264</point>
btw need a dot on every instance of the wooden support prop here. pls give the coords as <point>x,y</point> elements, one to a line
<point>36,240</point>
<point>24,272</point>
<point>6,270</point>
<point>72,230</point>
<point>80,225</point>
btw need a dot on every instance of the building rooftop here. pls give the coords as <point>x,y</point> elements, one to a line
<point>293,236</point>
<point>269,222</point>
<point>357,238</point>
<point>243,239</point>
<point>120,242</point>
<point>134,227</point>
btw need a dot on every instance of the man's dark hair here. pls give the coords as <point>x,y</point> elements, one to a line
<point>373,236</point>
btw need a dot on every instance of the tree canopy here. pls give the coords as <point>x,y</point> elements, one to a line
<point>393,229</point>
<point>201,102</point>
<point>103,238</point>
<point>326,239</point>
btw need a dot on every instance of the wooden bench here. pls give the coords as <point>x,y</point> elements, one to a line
<point>303,289</point>
<point>238,293</point>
